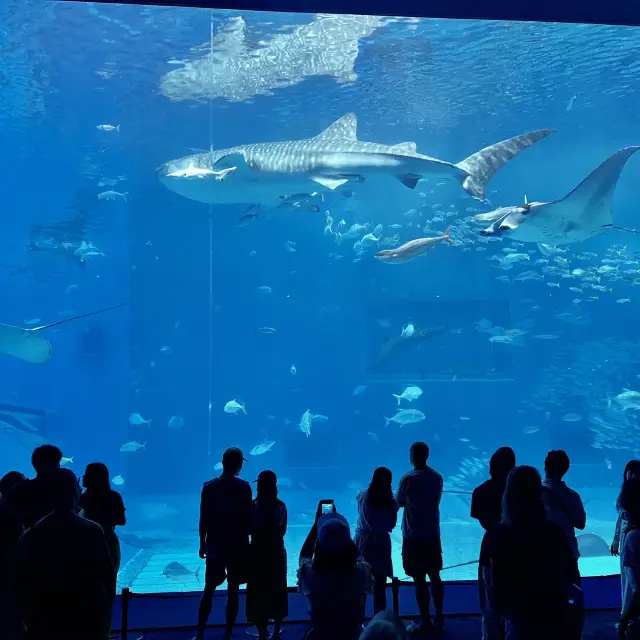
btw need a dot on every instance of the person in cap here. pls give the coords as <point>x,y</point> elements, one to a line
<point>334,578</point>
<point>225,525</point>
<point>419,493</point>
<point>267,595</point>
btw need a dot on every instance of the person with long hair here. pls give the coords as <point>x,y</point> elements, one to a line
<point>631,470</point>
<point>531,564</point>
<point>377,517</point>
<point>629,501</point>
<point>101,504</point>
<point>267,597</point>
<point>335,579</point>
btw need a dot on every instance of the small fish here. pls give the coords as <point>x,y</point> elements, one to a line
<point>293,370</point>
<point>177,572</point>
<point>218,466</point>
<point>530,430</point>
<point>608,464</point>
<point>359,389</point>
<point>65,462</point>
<point>553,284</point>
<point>118,480</point>
<point>546,336</point>
<point>70,288</point>
<point>108,127</point>
<point>571,417</point>
<point>464,439</point>
<point>406,416</point>
<point>411,249</point>
<point>570,103</point>
<point>266,330</point>
<point>305,423</point>
<point>410,393</point>
<point>233,407</point>
<point>265,290</point>
<point>465,418</point>
<point>112,195</point>
<point>623,300</point>
<point>263,447</point>
<point>408,330</point>
<point>251,214</point>
<point>374,437</point>
<point>137,420</point>
<point>33,321</point>
<point>130,447</point>
<point>166,351</point>
<point>176,422</point>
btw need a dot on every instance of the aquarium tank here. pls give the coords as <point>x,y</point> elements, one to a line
<point>318,238</point>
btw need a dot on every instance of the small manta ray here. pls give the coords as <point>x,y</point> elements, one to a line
<point>262,172</point>
<point>584,213</point>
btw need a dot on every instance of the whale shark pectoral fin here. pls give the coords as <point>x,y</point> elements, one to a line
<point>233,164</point>
<point>344,128</point>
<point>330,183</point>
<point>409,180</point>
<point>589,203</point>
<point>483,165</point>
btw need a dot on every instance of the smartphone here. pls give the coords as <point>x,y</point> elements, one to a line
<point>327,506</point>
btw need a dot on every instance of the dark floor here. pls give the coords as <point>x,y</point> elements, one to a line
<point>599,625</point>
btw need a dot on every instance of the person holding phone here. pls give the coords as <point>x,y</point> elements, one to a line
<point>334,577</point>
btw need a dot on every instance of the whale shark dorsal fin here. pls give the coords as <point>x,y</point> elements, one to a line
<point>591,199</point>
<point>230,38</point>
<point>404,147</point>
<point>344,128</point>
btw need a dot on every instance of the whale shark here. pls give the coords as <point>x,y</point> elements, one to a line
<point>584,213</point>
<point>263,172</point>
<point>236,69</point>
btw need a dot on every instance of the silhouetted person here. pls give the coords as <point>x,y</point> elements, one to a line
<point>66,579</point>
<point>420,492</point>
<point>225,523</point>
<point>101,504</point>
<point>631,470</point>
<point>630,553</point>
<point>335,579</point>
<point>564,506</point>
<point>267,597</point>
<point>531,564</point>
<point>10,531</point>
<point>34,497</point>
<point>377,517</point>
<point>486,507</point>
<point>385,625</point>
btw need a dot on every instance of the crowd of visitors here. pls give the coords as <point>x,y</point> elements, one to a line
<point>59,553</point>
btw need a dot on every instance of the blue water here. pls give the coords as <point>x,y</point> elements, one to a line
<point>189,339</point>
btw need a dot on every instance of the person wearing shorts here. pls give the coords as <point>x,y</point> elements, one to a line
<point>225,523</point>
<point>419,493</point>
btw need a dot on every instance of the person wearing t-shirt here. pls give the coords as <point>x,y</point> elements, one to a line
<point>419,493</point>
<point>225,523</point>
<point>486,507</point>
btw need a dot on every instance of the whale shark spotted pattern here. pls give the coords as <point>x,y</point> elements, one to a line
<point>584,213</point>
<point>263,172</point>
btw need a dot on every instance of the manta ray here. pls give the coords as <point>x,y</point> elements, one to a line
<point>263,172</point>
<point>584,213</point>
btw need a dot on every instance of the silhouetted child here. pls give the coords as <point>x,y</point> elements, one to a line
<point>267,597</point>
<point>65,577</point>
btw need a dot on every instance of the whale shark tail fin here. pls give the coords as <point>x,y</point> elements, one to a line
<point>483,165</point>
